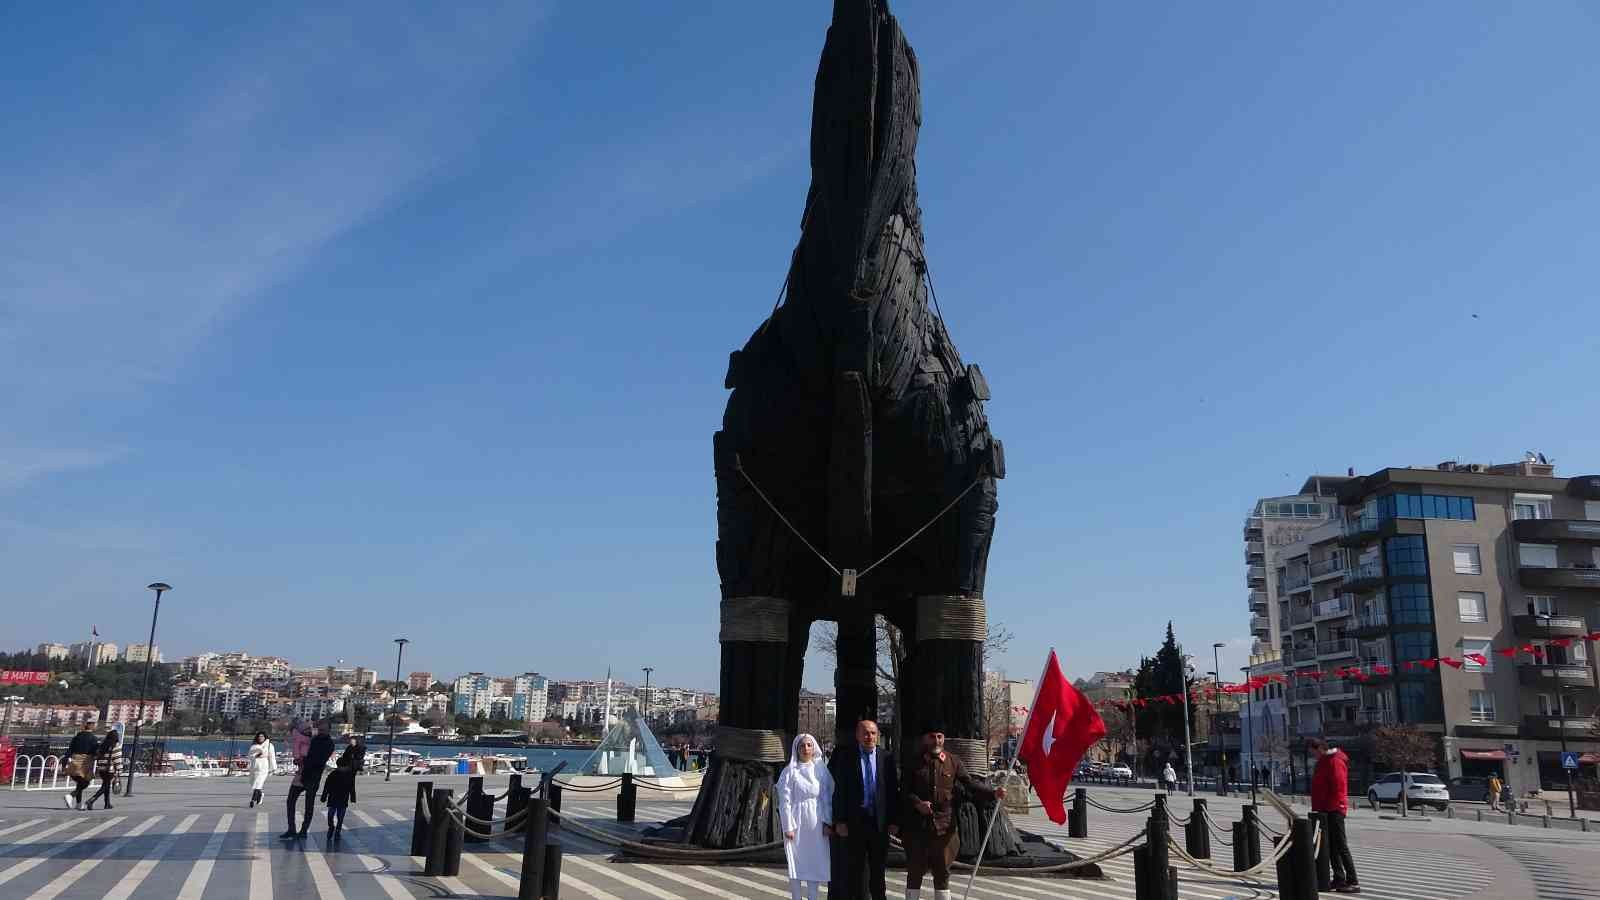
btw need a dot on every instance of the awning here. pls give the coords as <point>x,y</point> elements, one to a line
<point>1483,754</point>
<point>1589,759</point>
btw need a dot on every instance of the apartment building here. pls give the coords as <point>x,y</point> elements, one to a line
<point>1273,524</point>
<point>1446,561</point>
<point>419,681</point>
<point>94,653</point>
<point>128,711</point>
<point>138,653</point>
<point>50,650</point>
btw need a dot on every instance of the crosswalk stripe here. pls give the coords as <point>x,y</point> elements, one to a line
<point>628,880</point>
<point>724,873</point>
<point>674,874</point>
<point>394,815</point>
<point>141,870</point>
<point>71,876</point>
<point>456,886</point>
<point>37,836</point>
<point>31,862</point>
<point>321,874</point>
<point>19,826</point>
<point>261,859</point>
<point>195,885</point>
<point>389,883</point>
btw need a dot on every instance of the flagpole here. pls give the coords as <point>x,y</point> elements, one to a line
<point>995,813</point>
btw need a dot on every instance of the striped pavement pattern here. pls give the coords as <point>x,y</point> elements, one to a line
<point>205,856</point>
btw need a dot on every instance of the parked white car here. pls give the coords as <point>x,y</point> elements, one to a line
<point>1426,790</point>
<point>1121,770</point>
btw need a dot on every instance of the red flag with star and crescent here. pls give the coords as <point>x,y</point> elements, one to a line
<point>1062,725</point>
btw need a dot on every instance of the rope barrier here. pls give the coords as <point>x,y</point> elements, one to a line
<point>1121,849</point>
<point>1216,832</point>
<point>1112,809</point>
<point>660,852</point>
<point>591,789</point>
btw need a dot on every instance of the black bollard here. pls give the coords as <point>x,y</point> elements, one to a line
<point>1142,889</point>
<point>479,806</point>
<point>1160,854</point>
<point>1160,807</point>
<point>514,782</point>
<point>533,850</point>
<point>627,798</point>
<point>439,824</point>
<point>452,848</point>
<point>1303,865</point>
<point>1252,833</point>
<point>1078,816</point>
<point>1197,836</point>
<point>553,793</point>
<point>1241,853</point>
<point>516,802</point>
<point>1288,886</point>
<point>552,872</point>
<point>420,832</point>
<point>1324,861</point>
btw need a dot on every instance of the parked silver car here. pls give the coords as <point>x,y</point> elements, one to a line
<point>1426,789</point>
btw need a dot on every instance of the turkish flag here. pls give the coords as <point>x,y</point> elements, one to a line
<point>1062,724</point>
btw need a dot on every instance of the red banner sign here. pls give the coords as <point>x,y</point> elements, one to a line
<point>10,677</point>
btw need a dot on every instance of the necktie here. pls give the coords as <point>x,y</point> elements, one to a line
<point>870,782</point>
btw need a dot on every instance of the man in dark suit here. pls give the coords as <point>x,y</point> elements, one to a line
<point>866,799</point>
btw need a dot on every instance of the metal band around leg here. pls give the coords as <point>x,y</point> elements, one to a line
<point>758,619</point>
<point>951,617</point>
<point>755,744</point>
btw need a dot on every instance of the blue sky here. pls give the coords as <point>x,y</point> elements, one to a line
<point>374,322</point>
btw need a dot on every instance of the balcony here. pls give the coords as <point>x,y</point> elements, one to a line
<point>1539,577</point>
<point>1574,727</point>
<point>1300,614</point>
<point>1258,601</point>
<point>1260,626</point>
<point>1338,689</point>
<point>1549,626</point>
<point>1336,648</point>
<point>1256,576</point>
<point>1254,549</point>
<point>1323,568</point>
<point>1544,531</point>
<point>1375,654</point>
<point>1306,693</point>
<point>1358,531</point>
<point>1337,608</point>
<point>1371,623</point>
<point>1308,726</point>
<point>1375,716</point>
<point>1555,675</point>
<point>1364,577</point>
<point>1294,581</point>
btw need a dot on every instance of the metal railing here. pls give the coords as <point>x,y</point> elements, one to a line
<point>1372,618</point>
<point>1340,687</point>
<point>1339,606</point>
<point>1326,567</point>
<point>1337,647</point>
<point>1366,570</point>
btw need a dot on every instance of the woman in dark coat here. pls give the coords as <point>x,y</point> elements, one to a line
<point>107,765</point>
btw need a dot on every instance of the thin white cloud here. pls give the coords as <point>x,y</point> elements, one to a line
<point>20,465</point>
<point>116,263</point>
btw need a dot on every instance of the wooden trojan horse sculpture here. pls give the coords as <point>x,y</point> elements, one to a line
<point>853,428</point>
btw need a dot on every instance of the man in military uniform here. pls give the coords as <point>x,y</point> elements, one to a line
<point>927,826</point>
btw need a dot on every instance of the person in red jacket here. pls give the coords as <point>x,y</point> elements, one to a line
<point>1330,795</point>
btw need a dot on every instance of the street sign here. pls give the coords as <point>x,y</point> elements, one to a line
<point>1569,759</point>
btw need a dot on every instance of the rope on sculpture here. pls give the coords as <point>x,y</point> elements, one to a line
<point>936,517</point>
<point>753,744</point>
<point>756,619</point>
<point>951,617</point>
<point>781,518</point>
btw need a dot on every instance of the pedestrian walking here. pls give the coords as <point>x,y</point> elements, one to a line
<point>299,739</point>
<point>308,779</point>
<point>355,753</point>
<point>805,810</point>
<point>1330,789</point>
<point>866,800</point>
<point>927,826</point>
<point>338,793</point>
<point>80,765</point>
<point>263,759</point>
<point>1169,777</point>
<point>1495,786</point>
<point>107,765</point>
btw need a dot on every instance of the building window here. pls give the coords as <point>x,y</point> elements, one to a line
<point>1466,560</point>
<point>1474,606</point>
<point>1425,506</point>
<point>1541,606</point>
<point>1415,701</point>
<point>1482,703</point>
<point>1413,645</point>
<point>1591,510</point>
<point>1407,555</point>
<point>1530,506</point>
<point>1537,556</point>
<point>1410,604</point>
<point>1481,646</point>
<point>1548,707</point>
<point>1571,655</point>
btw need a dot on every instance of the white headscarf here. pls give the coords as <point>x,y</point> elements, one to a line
<point>806,771</point>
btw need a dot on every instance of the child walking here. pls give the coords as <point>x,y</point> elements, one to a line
<point>338,792</point>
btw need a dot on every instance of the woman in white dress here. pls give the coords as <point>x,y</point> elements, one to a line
<point>263,759</point>
<point>805,809</point>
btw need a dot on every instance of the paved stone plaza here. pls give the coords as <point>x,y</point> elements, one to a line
<point>195,838</point>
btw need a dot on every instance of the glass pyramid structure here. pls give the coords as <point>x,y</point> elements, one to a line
<point>628,747</point>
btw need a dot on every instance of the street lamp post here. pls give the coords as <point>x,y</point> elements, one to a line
<point>1188,744</point>
<point>647,671</point>
<point>1248,690</point>
<point>1222,773</point>
<point>144,686</point>
<point>1561,698</point>
<point>388,763</point>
